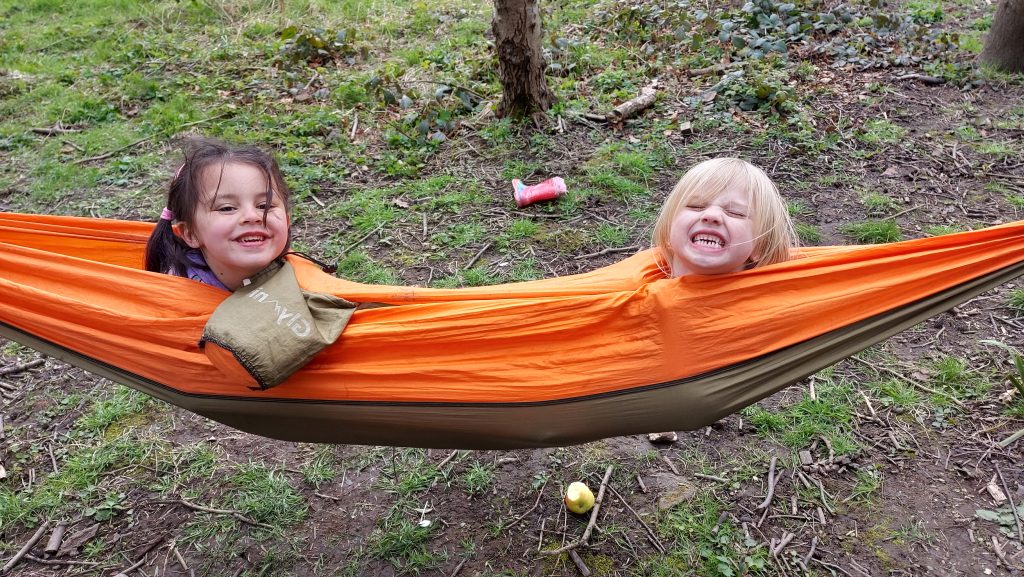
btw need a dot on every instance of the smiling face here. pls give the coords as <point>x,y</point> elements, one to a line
<point>712,236</point>
<point>229,226</point>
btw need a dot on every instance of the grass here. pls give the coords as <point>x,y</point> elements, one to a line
<point>807,233</point>
<point>477,478</point>
<point>881,132</point>
<point>941,229</point>
<point>877,203</point>
<point>829,413</point>
<point>265,495</point>
<point>1016,300</point>
<point>320,468</point>
<point>873,232</point>
<point>704,544</point>
<point>867,483</point>
<point>404,544</point>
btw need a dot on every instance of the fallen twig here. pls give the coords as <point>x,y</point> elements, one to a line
<point>711,477</point>
<point>1009,497</point>
<point>22,367</point>
<point>41,561</point>
<point>867,401</point>
<point>231,512</point>
<point>26,547</point>
<point>56,538</point>
<point>923,79</point>
<point>810,554</point>
<point>446,459</point>
<point>52,130</point>
<point>584,570</point>
<point>650,532</point>
<point>632,107</point>
<point>771,484</point>
<point>479,254</point>
<point>113,152</point>
<point>786,538</point>
<point>360,240</point>
<point>670,464</point>
<point>593,518</point>
<point>608,250</point>
<point>177,555</point>
<point>142,558</point>
<point>458,568</point>
<point>141,140</point>
<point>540,493</point>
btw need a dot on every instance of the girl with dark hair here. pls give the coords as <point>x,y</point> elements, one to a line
<point>226,216</point>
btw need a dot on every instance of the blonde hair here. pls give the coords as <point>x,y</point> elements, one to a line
<point>773,230</point>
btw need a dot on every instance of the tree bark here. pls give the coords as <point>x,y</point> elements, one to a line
<point>1004,46</point>
<point>517,42</point>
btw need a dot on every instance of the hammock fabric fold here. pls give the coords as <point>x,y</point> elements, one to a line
<point>620,350</point>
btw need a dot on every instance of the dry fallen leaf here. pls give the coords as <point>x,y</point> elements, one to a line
<point>995,491</point>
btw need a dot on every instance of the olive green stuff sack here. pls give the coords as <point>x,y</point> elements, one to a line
<point>272,327</point>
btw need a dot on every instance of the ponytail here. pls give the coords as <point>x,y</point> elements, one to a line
<point>165,252</point>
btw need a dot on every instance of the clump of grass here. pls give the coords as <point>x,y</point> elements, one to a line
<point>403,543</point>
<point>874,232</point>
<point>952,375</point>
<point>264,495</point>
<point>319,469</point>
<point>807,233</point>
<point>522,228</point>
<point>896,393</point>
<point>797,208</point>
<point>477,478</point>
<point>867,483</point>
<point>611,235</point>
<point>704,543</point>
<point>877,203</point>
<point>1016,300</point>
<point>941,229</point>
<point>881,132</point>
<point>358,266</point>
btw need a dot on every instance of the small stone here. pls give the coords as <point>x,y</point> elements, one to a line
<point>805,457</point>
<point>666,437</point>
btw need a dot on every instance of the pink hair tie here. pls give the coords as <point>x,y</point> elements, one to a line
<point>166,214</point>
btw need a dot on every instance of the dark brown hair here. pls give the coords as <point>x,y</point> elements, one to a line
<point>165,251</point>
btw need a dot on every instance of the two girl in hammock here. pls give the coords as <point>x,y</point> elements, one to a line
<point>231,202</point>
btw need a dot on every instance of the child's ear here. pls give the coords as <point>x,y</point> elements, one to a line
<point>189,238</point>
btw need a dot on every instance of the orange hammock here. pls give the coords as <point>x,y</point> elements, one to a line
<point>620,350</point>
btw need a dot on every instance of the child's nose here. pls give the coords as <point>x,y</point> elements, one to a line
<point>711,214</point>
<point>251,214</point>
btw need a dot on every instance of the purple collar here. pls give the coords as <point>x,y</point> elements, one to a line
<point>201,271</point>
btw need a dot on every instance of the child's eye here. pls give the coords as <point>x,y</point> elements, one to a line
<point>736,213</point>
<point>696,206</point>
<point>226,208</point>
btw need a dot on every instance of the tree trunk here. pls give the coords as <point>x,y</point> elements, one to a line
<point>1004,47</point>
<point>517,41</point>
